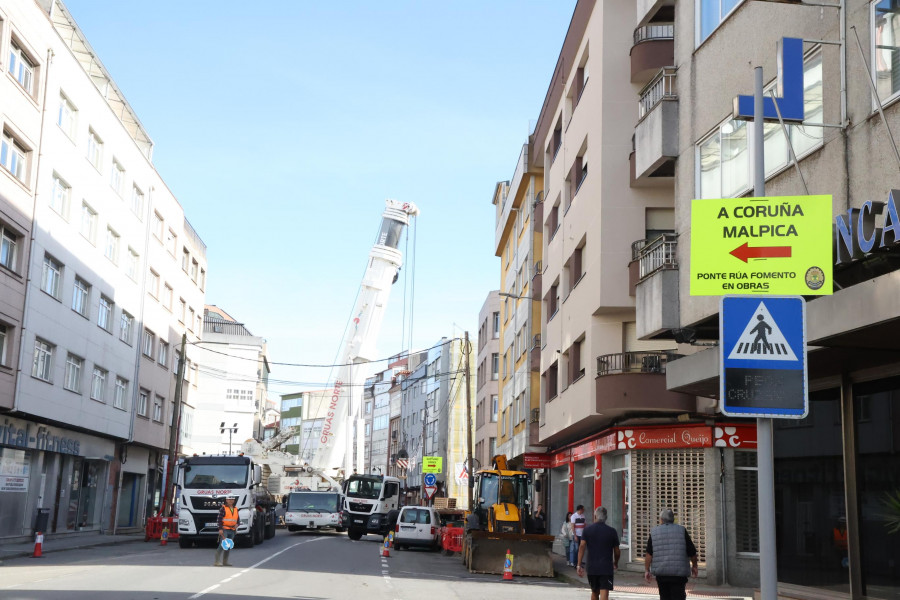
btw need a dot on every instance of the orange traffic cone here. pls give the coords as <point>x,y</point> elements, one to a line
<point>385,550</point>
<point>507,566</point>
<point>38,543</point>
<point>164,537</point>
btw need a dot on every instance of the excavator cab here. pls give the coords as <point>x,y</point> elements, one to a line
<point>502,500</point>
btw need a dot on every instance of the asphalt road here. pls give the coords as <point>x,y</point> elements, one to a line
<point>296,566</point>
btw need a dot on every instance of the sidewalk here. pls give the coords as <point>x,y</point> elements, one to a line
<point>632,582</point>
<point>67,541</point>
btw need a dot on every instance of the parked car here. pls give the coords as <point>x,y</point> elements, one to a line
<point>417,526</point>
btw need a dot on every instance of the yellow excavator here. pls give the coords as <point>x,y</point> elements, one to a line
<point>499,523</point>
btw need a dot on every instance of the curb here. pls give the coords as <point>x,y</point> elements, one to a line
<point>45,550</point>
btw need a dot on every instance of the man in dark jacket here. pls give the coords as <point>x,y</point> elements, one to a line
<point>602,545</point>
<point>668,549</point>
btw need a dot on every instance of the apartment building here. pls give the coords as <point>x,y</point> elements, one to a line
<point>85,332</point>
<point>232,376</point>
<point>839,466</point>
<point>487,372</point>
<point>305,412</point>
<point>518,242</point>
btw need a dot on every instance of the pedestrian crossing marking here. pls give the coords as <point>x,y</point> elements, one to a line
<point>762,339</point>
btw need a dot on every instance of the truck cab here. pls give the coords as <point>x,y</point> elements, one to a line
<point>372,503</point>
<point>204,482</point>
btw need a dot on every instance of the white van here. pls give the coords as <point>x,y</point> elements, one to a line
<point>417,526</point>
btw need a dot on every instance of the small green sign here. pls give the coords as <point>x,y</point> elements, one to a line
<point>432,464</point>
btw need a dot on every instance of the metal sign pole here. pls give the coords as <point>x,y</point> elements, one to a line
<point>768,563</point>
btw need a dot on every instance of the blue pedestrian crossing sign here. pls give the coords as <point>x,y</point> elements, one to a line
<point>762,341</point>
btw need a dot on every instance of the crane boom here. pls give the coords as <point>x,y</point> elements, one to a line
<point>335,449</point>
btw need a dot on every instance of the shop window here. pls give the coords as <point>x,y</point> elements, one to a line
<point>746,502</point>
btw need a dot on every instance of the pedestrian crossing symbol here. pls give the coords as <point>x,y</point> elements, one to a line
<point>762,339</point>
<point>762,342</point>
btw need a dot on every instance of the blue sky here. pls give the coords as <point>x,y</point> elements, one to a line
<point>281,127</point>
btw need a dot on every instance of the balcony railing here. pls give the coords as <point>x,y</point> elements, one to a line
<point>536,341</point>
<point>661,87</point>
<point>655,254</point>
<point>537,269</point>
<point>634,362</point>
<point>654,32</point>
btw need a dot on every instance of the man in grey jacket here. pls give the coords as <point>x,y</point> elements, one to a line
<point>668,549</point>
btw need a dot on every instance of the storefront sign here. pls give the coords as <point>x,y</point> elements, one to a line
<point>778,245</point>
<point>860,233</point>
<point>36,437</point>
<point>665,437</point>
<point>533,460</point>
<point>13,484</point>
<point>735,436</point>
<point>594,447</point>
<point>561,458</point>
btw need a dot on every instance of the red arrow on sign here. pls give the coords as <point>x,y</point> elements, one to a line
<point>745,252</point>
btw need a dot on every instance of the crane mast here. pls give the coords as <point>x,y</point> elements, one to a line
<point>335,449</point>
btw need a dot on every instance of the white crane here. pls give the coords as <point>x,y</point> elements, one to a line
<point>335,449</point>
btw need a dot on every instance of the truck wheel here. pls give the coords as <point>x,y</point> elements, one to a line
<point>259,531</point>
<point>184,542</point>
<point>247,541</point>
<point>270,528</point>
<point>354,534</point>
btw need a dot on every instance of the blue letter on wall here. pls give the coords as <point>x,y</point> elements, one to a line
<point>789,91</point>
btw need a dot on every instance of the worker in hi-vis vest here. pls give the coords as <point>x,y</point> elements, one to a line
<point>228,522</point>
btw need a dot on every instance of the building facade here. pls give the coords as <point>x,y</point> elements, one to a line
<point>487,393</point>
<point>87,319</point>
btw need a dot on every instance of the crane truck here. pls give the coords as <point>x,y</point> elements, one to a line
<point>369,500</point>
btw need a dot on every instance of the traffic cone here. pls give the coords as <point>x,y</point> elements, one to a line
<point>507,566</point>
<point>38,543</point>
<point>164,536</point>
<point>385,550</point>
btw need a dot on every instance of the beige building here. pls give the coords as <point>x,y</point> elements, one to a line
<point>487,374</point>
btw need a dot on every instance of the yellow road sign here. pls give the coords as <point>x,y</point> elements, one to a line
<point>777,245</point>
<point>432,464</point>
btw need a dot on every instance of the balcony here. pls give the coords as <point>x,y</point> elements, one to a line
<point>655,11</point>
<point>656,134</point>
<point>653,49</point>
<point>537,280</point>
<point>534,353</point>
<point>655,265</point>
<point>534,427</point>
<point>634,382</point>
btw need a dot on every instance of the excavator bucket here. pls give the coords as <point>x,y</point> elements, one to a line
<point>485,552</point>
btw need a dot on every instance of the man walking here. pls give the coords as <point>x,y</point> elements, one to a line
<point>578,521</point>
<point>227,522</point>
<point>602,544</point>
<point>668,549</point>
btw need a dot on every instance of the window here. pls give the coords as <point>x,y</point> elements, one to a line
<point>190,324</point>
<point>94,148</point>
<point>21,67</point>
<point>13,156</point>
<point>171,242</point>
<point>104,313</point>
<point>163,356</point>
<point>182,309</point>
<point>495,366</point>
<point>711,13</point>
<point>51,276</point>
<point>167,297</point>
<point>723,157</point>
<point>886,49</point>
<point>553,221</point>
<point>496,325</point>
<point>495,407</point>
<point>492,447</point>
<point>143,399</point>
<point>117,177</point>
<point>9,242</point>
<point>43,360</point>
<point>574,267</point>
<point>157,408</point>
<point>746,502</point>
<point>147,344</point>
<point>550,379</point>
<point>137,202</point>
<point>59,197</point>
<point>98,384</point>
<point>556,141</point>
<point>131,267</point>
<point>552,300</point>
<point>112,245</point>
<point>576,370</point>
<point>74,365</point>
<point>185,259</point>
<point>88,223</point>
<point>157,226</point>
<point>5,335</point>
<point>195,269</point>
<point>81,294</point>
<point>121,399</point>
<point>65,117</point>
<point>126,322</point>
<point>202,282</point>
<point>154,284</point>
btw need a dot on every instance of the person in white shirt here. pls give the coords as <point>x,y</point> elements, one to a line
<point>578,521</point>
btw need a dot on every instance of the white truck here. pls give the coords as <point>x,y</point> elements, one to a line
<point>372,503</point>
<point>314,510</point>
<point>203,482</point>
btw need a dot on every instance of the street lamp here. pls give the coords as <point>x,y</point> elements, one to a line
<point>230,430</point>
